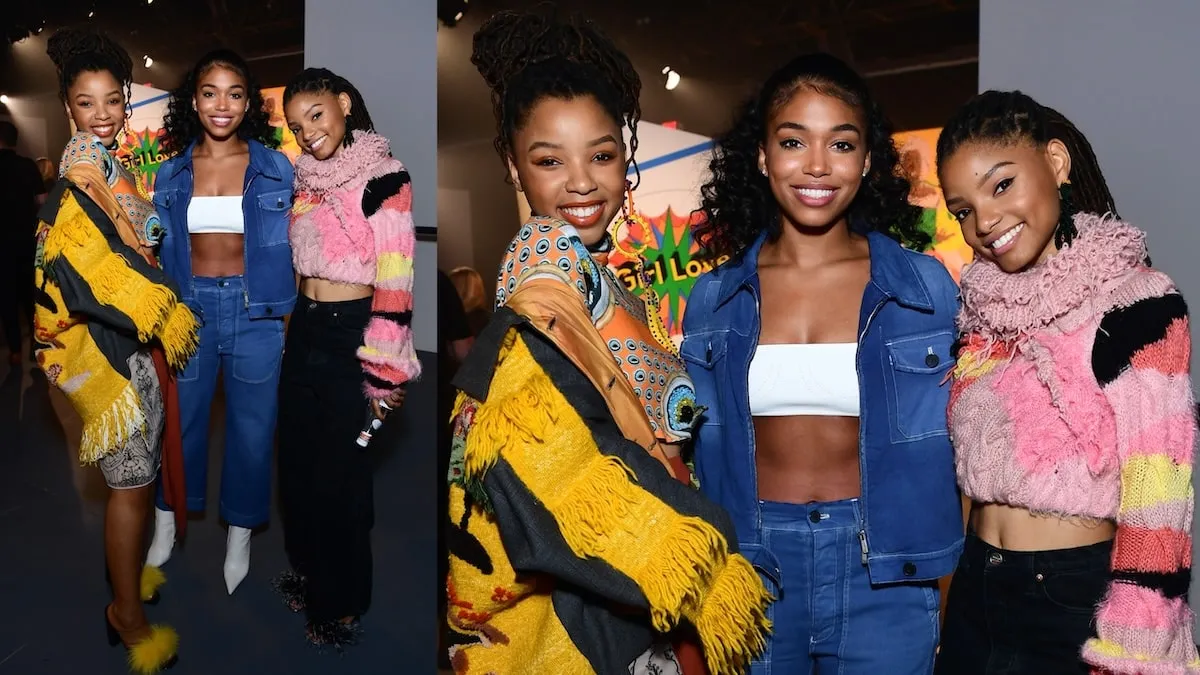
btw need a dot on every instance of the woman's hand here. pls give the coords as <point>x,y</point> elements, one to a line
<point>384,406</point>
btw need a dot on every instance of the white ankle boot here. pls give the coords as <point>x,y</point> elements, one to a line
<point>164,538</point>
<point>237,557</point>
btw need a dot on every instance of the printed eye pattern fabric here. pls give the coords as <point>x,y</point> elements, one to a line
<point>548,248</point>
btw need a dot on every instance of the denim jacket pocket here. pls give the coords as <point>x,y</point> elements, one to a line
<point>273,210</point>
<point>704,356</point>
<point>916,368</point>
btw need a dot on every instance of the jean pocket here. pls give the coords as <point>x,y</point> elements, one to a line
<point>191,370</point>
<point>1078,592</point>
<point>257,350</point>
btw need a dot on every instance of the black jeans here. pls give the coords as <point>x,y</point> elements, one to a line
<point>325,480</point>
<point>1022,613</point>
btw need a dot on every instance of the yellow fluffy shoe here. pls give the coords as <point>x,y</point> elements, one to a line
<point>153,653</point>
<point>152,579</point>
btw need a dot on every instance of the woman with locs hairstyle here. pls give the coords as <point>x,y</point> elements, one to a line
<point>577,544</point>
<point>349,352</point>
<point>109,329</point>
<point>1072,412</point>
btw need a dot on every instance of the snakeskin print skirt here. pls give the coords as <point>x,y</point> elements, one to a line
<point>136,465</point>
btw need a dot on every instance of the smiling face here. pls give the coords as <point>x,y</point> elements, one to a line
<point>318,120</point>
<point>815,156</point>
<point>221,101</point>
<point>1005,197</point>
<point>569,160</point>
<point>96,103</point>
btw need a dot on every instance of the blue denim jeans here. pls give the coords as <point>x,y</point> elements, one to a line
<point>247,354</point>
<point>828,617</point>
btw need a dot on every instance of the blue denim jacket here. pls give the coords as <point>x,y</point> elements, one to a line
<point>270,283</point>
<point>913,527</point>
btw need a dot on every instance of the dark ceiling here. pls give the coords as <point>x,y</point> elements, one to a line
<point>920,56</point>
<point>174,33</point>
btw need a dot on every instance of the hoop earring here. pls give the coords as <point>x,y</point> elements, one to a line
<point>1065,232</point>
<point>629,216</point>
<point>650,297</point>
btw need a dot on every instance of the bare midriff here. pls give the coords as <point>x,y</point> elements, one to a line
<point>1018,529</point>
<point>322,290</point>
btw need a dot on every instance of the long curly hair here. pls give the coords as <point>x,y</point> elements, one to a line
<point>79,50</point>
<point>1012,116</point>
<point>736,201</point>
<point>325,81</point>
<point>526,57</point>
<point>182,123</point>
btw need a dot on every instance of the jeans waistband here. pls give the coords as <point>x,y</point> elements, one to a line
<point>235,281</point>
<point>812,515</point>
<point>1091,557</point>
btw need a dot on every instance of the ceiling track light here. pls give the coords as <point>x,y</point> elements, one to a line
<point>672,79</point>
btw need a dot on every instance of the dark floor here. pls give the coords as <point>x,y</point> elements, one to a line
<point>52,584</point>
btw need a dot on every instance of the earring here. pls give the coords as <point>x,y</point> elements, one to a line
<point>764,171</point>
<point>1065,232</point>
<point>866,170</point>
<point>629,216</point>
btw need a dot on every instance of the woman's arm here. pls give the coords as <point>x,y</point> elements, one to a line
<point>388,356</point>
<point>108,282</point>
<point>1141,359</point>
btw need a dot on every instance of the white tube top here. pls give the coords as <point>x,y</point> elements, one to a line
<point>804,379</point>
<point>216,215</point>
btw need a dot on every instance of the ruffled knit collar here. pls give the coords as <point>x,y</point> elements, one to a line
<point>352,163</point>
<point>1003,306</point>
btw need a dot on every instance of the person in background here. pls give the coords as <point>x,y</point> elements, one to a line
<point>456,339</point>
<point>821,349</point>
<point>1072,412</point>
<point>224,200</point>
<point>110,330</point>
<point>349,352</point>
<point>469,286</point>
<point>22,190</point>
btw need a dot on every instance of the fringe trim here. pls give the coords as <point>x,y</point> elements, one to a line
<point>110,282</point>
<point>691,574</point>
<point>513,420</point>
<point>732,623</point>
<point>180,336</point>
<point>111,429</point>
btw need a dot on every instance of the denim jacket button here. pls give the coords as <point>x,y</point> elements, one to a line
<point>932,360</point>
<point>909,569</point>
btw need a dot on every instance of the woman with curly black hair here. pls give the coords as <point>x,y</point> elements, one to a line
<point>577,543</point>
<point>109,329</point>
<point>821,348</point>
<point>224,200</point>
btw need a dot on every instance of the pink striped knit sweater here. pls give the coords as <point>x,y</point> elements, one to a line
<point>352,223</point>
<point>1072,397</point>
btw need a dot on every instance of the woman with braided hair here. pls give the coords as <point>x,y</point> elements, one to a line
<point>1071,412</point>
<point>349,346</point>
<point>577,544</point>
<point>110,330</point>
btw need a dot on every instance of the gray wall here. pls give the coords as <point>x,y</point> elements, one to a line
<point>1124,72</point>
<point>388,49</point>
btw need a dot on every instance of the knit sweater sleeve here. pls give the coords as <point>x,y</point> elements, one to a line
<point>1141,360</point>
<point>387,353</point>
